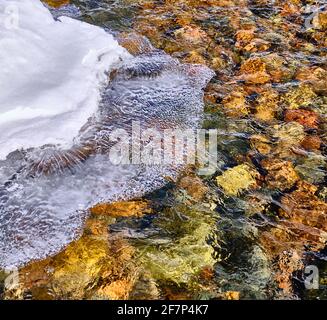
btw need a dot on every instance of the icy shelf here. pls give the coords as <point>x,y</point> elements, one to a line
<point>51,75</point>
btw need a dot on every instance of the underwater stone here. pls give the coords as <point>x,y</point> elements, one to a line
<point>237,179</point>
<point>281,174</point>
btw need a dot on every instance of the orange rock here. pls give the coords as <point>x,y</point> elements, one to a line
<point>320,21</point>
<point>232,295</point>
<point>123,209</point>
<point>56,3</point>
<point>303,206</point>
<point>307,118</point>
<point>289,9</point>
<point>235,104</point>
<point>207,273</point>
<point>253,71</point>
<point>257,45</point>
<point>287,263</point>
<point>281,174</point>
<point>96,227</point>
<point>310,73</point>
<point>243,38</point>
<point>117,290</point>
<point>192,34</point>
<point>253,65</point>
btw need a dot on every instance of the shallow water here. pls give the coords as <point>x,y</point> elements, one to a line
<point>262,216</point>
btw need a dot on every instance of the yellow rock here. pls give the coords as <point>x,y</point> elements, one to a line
<point>232,295</point>
<point>289,135</point>
<point>235,104</point>
<point>235,180</point>
<point>253,65</point>
<point>267,105</point>
<point>320,21</point>
<point>182,260</point>
<point>218,63</point>
<point>301,96</point>
<point>123,209</point>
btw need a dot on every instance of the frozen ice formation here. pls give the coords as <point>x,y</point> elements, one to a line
<point>59,112</point>
<point>51,73</point>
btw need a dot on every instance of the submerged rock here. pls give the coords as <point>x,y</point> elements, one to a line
<point>235,104</point>
<point>301,96</point>
<point>179,253</point>
<point>253,71</point>
<point>307,118</point>
<point>240,178</point>
<point>56,3</point>
<point>281,174</point>
<point>194,186</point>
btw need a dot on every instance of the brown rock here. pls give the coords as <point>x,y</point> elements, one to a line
<point>287,263</point>
<point>260,143</point>
<point>311,143</point>
<point>134,43</point>
<point>194,186</point>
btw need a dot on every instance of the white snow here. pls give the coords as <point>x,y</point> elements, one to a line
<point>51,74</point>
